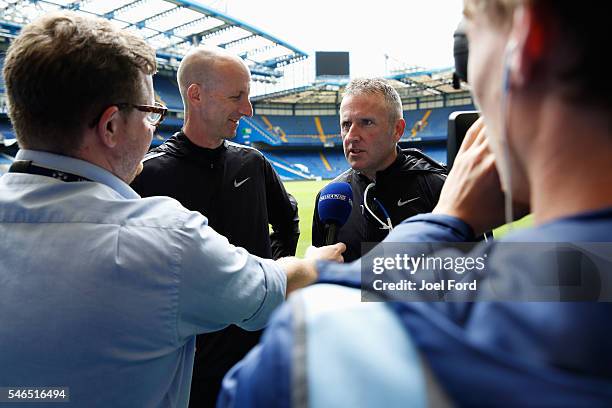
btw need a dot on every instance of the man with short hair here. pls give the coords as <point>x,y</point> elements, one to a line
<point>102,292</point>
<point>389,184</point>
<point>527,337</point>
<point>233,185</point>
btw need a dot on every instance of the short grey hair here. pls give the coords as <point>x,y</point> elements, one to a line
<point>373,86</point>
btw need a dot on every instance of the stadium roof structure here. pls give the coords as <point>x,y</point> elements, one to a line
<point>171,27</point>
<point>410,83</point>
<point>323,93</point>
<point>422,82</point>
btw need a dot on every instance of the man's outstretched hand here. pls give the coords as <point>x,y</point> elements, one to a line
<point>303,272</point>
<point>326,253</point>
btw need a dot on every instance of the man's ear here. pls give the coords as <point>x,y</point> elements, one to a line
<point>194,93</point>
<point>108,126</point>
<point>530,38</point>
<point>398,131</point>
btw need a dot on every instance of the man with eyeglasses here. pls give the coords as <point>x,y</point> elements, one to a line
<point>102,292</point>
<point>389,184</point>
<point>233,185</point>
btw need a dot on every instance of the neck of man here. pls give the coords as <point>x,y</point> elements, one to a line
<point>102,157</point>
<point>371,174</point>
<point>569,172</point>
<point>198,135</point>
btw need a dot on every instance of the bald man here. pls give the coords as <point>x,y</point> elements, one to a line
<point>234,186</point>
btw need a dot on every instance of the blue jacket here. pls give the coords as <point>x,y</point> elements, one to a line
<point>325,348</point>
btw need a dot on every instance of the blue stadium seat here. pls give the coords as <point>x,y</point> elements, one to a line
<point>167,90</point>
<point>326,163</point>
<point>1,76</point>
<point>427,125</point>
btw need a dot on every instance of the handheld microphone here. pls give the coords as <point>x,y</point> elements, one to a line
<point>334,207</point>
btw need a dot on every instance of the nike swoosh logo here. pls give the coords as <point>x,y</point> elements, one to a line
<point>401,203</point>
<point>238,184</point>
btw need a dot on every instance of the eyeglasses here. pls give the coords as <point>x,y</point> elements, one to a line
<point>155,114</point>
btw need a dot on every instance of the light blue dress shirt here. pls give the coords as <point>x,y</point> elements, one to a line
<point>103,292</point>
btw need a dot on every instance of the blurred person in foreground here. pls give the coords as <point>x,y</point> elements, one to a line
<point>102,292</point>
<point>535,71</point>
<point>233,185</point>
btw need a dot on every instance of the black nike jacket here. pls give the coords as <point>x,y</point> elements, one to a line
<point>410,185</point>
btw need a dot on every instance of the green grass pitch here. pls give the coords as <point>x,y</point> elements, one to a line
<point>305,193</point>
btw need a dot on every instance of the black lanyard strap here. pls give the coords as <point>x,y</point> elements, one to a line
<point>26,166</point>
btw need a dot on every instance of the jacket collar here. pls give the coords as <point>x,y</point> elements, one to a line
<point>394,167</point>
<point>407,160</point>
<point>397,164</point>
<point>180,145</point>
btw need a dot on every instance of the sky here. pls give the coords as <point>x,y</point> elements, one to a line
<point>409,32</point>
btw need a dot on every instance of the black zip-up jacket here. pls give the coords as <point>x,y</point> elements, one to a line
<point>240,193</point>
<point>410,185</point>
<point>234,186</point>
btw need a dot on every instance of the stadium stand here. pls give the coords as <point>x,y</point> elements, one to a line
<point>265,123</point>
<point>167,92</point>
<point>429,124</point>
<point>8,143</point>
<point>2,76</point>
<point>287,170</point>
<point>172,122</point>
<point>436,151</point>
<point>324,164</point>
<point>6,130</point>
<point>330,126</point>
<point>297,128</point>
<point>421,125</point>
<point>161,136</point>
<point>5,162</point>
<point>249,131</point>
<point>294,125</point>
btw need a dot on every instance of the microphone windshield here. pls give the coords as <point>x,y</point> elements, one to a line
<point>335,203</point>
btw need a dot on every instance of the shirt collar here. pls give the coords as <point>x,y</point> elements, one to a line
<point>79,167</point>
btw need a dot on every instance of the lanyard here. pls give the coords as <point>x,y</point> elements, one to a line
<point>26,166</point>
